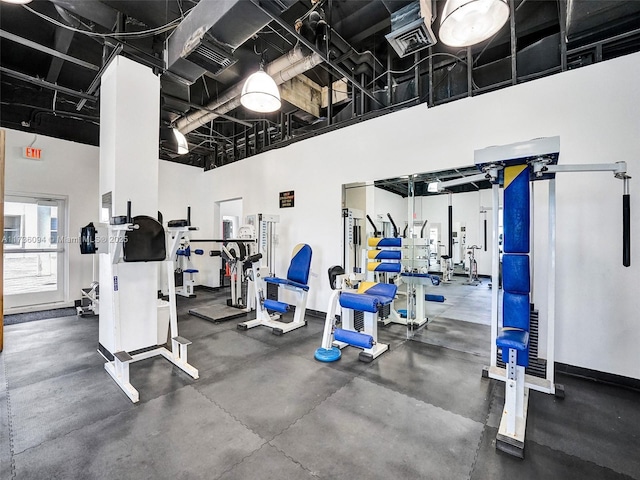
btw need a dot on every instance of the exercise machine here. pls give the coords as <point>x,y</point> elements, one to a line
<point>257,236</point>
<point>407,258</point>
<point>131,326</point>
<point>185,283</point>
<point>352,229</point>
<point>366,297</point>
<point>184,271</point>
<point>89,304</point>
<point>473,266</point>
<point>447,268</point>
<point>269,311</point>
<point>516,167</point>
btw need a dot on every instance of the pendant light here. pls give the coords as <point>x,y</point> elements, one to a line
<point>469,22</point>
<point>182,146</point>
<point>260,93</point>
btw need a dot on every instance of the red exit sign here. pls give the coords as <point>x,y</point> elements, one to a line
<point>30,152</point>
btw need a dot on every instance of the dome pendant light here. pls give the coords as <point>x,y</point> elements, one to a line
<point>182,146</point>
<point>260,93</point>
<point>468,22</point>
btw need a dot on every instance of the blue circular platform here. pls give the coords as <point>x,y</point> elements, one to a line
<point>328,355</point>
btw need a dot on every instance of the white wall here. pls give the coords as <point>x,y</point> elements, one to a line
<point>592,109</point>
<point>181,186</point>
<point>66,169</point>
<point>386,202</point>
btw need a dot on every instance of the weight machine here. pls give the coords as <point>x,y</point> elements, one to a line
<point>473,265</point>
<point>515,167</point>
<point>296,282</point>
<point>131,327</point>
<point>184,281</point>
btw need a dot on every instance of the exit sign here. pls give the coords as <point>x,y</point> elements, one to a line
<point>30,152</point>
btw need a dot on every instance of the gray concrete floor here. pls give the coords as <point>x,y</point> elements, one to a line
<point>263,408</point>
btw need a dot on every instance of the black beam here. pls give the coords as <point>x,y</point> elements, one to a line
<point>50,51</point>
<point>43,83</point>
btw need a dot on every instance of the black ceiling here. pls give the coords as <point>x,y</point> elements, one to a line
<point>50,67</point>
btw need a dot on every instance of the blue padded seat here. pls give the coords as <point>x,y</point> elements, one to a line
<point>298,273</point>
<point>517,340</point>
<point>384,292</point>
<point>284,281</point>
<point>190,270</point>
<point>370,296</point>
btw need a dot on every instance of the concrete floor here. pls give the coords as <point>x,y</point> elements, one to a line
<point>263,408</point>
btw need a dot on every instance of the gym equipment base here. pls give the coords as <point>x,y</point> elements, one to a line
<point>367,355</point>
<point>531,382</point>
<point>118,368</point>
<point>278,328</point>
<point>217,313</point>
<point>513,444</point>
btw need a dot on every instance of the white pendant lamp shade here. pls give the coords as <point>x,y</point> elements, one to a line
<point>18,2</point>
<point>468,22</point>
<point>260,93</point>
<point>181,141</point>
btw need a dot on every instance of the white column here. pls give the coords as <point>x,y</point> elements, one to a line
<point>129,131</point>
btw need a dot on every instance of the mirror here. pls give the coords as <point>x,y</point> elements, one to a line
<point>444,234</point>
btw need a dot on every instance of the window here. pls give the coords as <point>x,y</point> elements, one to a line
<point>12,230</point>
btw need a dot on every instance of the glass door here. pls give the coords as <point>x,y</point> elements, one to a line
<point>34,251</point>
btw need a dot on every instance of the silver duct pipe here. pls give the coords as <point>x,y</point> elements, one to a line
<point>281,70</point>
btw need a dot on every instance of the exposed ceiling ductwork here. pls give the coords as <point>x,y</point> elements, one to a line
<point>206,39</point>
<point>282,69</point>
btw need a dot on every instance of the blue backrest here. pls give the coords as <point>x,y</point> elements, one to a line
<point>515,273</point>
<point>300,264</point>
<point>516,278</point>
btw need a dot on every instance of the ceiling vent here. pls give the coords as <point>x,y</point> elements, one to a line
<point>411,28</point>
<point>211,56</point>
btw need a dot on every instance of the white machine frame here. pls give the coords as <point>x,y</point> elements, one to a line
<point>347,317</point>
<point>263,318</point>
<point>118,368</point>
